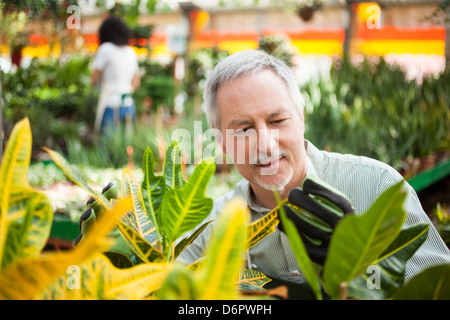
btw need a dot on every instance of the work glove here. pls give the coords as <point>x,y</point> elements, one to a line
<point>315,209</point>
<point>94,211</point>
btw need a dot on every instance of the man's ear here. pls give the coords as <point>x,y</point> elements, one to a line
<point>302,119</point>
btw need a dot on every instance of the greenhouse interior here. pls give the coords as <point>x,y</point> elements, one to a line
<point>121,176</point>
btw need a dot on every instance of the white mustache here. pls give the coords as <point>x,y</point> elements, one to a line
<point>264,159</point>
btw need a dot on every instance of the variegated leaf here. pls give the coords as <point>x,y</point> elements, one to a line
<point>76,178</point>
<point>146,251</point>
<point>172,169</point>
<point>25,215</point>
<point>225,253</point>
<point>188,240</point>
<point>183,209</point>
<point>28,234</point>
<point>261,228</point>
<point>27,277</point>
<point>252,280</point>
<point>98,279</point>
<point>144,226</point>
<point>153,188</point>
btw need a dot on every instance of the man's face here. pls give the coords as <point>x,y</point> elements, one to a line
<point>263,131</point>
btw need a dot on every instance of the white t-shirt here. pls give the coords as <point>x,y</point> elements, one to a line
<point>118,66</point>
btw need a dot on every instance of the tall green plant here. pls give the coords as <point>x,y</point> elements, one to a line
<point>355,99</point>
<point>166,207</point>
<point>374,240</point>
<point>26,215</point>
<point>215,278</point>
<point>25,222</point>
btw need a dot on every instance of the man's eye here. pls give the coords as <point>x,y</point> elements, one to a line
<point>278,121</point>
<point>241,131</point>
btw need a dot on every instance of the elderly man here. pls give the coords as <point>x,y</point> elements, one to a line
<point>254,100</point>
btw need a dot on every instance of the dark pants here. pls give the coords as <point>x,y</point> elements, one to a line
<point>113,117</point>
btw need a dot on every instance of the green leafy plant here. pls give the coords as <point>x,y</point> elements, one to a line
<point>443,222</point>
<point>278,46</point>
<point>25,223</point>
<point>25,273</point>
<point>60,106</point>
<point>171,207</point>
<point>215,277</point>
<point>166,207</point>
<point>354,99</point>
<point>373,240</point>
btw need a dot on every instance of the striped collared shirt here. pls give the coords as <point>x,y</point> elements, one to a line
<point>362,180</point>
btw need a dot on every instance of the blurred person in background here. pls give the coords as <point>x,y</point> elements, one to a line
<point>116,71</point>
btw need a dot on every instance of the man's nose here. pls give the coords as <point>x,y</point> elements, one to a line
<point>267,141</point>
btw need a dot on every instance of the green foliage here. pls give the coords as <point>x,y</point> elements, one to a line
<point>430,284</point>
<point>26,219</point>
<point>443,222</point>
<point>59,105</point>
<point>200,62</point>
<point>278,46</point>
<point>110,150</point>
<point>157,87</point>
<point>373,241</point>
<point>359,248</point>
<point>355,100</point>
<point>161,89</point>
<point>153,215</point>
<point>32,7</point>
<point>25,216</point>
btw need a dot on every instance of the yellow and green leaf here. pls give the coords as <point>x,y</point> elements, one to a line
<point>251,280</point>
<point>25,214</point>
<point>225,253</point>
<point>76,178</point>
<point>99,279</point>
<point>172,169</point>
<point>27,277</point>
<point>146,251</point>
<point>261,228</point>
<point>153,189</point>
<point>131,187</point>
<point>185,208</point>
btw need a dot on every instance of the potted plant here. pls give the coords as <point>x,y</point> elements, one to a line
<point>306,8</point>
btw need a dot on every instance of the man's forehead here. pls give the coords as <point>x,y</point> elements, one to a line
<point>242,90</point>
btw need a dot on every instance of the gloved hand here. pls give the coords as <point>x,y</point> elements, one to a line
<point>321,208</point>
<point>89,217</point>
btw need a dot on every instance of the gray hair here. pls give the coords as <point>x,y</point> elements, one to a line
<point>242,63</point>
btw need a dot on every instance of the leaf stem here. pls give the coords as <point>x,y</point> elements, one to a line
<point>343,290</point>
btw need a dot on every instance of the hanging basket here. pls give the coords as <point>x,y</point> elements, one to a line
<point>306,13</point>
